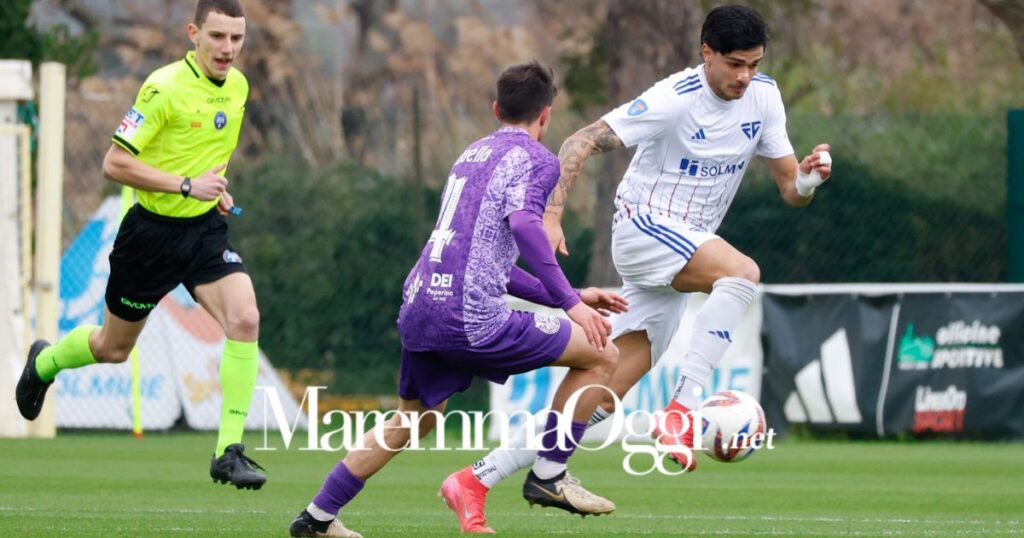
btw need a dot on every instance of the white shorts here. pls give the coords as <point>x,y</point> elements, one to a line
<point>648,252</point>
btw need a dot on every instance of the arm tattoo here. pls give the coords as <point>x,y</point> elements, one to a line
<point>596,138</point>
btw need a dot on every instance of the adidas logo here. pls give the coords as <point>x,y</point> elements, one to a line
<point>724,335</point>
<point>825,392</point>
<point>689,84</point>
<point>699,135</point>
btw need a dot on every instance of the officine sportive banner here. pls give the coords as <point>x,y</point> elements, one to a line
<point>879,362</point>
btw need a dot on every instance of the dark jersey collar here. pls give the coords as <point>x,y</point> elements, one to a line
<point>190,61</point>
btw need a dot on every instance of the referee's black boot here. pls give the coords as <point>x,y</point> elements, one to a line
<point>31,390</point>
<point>237,468</point>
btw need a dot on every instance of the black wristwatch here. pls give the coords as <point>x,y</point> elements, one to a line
<point>186,186</point>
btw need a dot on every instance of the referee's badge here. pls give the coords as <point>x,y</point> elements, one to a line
<point>220,120</point>
<point>231,256</point>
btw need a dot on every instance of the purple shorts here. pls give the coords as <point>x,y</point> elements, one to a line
<point>525,343</point>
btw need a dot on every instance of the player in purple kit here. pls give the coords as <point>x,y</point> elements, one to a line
<point>454,323</point>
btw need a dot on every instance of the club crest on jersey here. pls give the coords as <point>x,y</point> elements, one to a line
<point>638,107</point>
<point>220,120</point>
<point>750,129</point>
<point>546,324</point>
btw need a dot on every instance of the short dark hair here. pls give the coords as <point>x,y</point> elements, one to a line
<point>231,8</point>
<point>524,90</point>
<point>730,28</point>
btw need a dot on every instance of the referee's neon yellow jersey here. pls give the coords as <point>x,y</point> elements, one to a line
<point>183,124</point>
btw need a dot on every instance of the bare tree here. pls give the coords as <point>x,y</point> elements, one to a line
<point>646,40</point>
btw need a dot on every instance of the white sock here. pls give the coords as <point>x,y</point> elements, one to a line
<point>688,393</point>
<point>712,334</point>
<point>545,468</point>
<point>599,415</point>
<point>318,513</point>
<point>504,461</point>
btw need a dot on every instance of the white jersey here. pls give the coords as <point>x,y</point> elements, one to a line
<point>694,147</point>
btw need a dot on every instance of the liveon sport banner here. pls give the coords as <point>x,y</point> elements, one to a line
<point>925,364</point>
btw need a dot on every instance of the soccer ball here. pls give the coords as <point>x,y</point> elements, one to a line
<point>733,426</point>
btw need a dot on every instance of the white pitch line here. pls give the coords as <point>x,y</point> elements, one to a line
<point>139,510</point>
<point>776,532</point>
<point>823,519</point>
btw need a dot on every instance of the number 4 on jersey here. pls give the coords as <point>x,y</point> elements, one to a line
<point>443,232</point>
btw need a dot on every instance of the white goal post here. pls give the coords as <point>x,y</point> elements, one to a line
<point>15,237</point>
<point>29,248</point>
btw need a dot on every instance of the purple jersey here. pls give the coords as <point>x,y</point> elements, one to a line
<point>453,295</point>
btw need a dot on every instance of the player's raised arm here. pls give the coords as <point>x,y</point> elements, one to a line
<point>797,181</point>
<point>595,138</point>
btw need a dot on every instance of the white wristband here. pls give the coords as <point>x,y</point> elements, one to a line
<point>806,183</point>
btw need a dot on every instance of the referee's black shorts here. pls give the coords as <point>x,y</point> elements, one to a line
<point>152,254</point>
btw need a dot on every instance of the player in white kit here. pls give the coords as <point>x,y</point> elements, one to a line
<point>696,133</point>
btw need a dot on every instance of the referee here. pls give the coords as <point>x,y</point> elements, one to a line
<point>173,146</point>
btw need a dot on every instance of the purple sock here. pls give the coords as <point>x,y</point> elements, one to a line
<point>550,440</point>
<point>339,488</point>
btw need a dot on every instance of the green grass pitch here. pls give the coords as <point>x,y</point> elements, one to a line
<point>113,485</point>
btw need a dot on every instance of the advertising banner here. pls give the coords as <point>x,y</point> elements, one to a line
<point>823,359</point>
<point>887,360</point>
<point>958,366</point>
